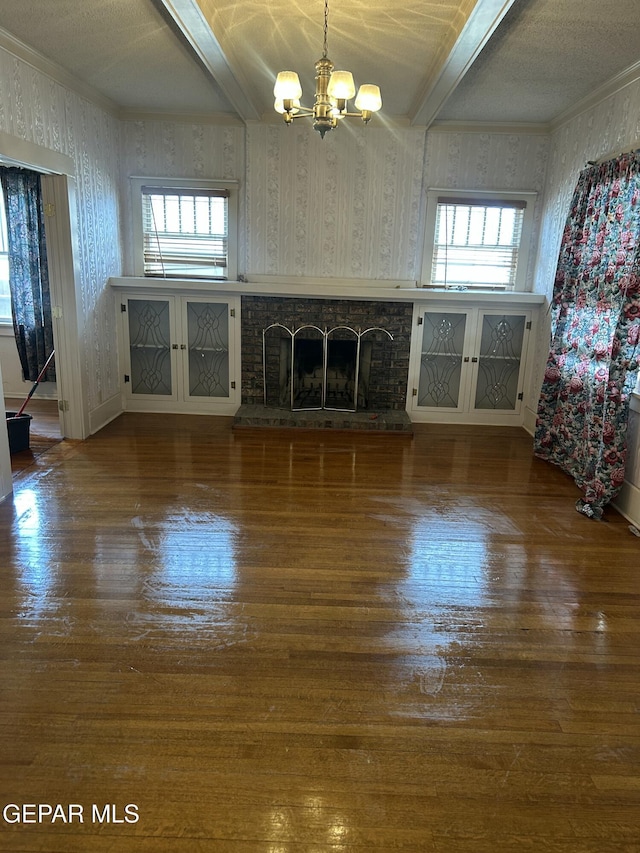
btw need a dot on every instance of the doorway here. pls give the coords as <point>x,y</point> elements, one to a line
<point>58,198</point>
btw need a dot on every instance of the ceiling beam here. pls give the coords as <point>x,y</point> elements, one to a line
<point>455,60</point>
<point>192,23</point>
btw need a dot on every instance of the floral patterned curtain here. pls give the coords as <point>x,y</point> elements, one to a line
<point>593,363</point>
<point>28,276</point>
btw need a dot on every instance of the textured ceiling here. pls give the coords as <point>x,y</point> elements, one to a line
<point>454,60</point>
<point>392,45</point>
<point>546,56</point>
<point>125,49</point>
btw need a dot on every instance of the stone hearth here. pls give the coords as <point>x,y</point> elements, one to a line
<point>388,422</point>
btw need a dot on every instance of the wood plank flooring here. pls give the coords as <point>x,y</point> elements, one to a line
<point>44,430</point>
<point>278,642</point>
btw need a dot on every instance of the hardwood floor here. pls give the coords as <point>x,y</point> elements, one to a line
<point>44,430</point>
<point>281,642</point>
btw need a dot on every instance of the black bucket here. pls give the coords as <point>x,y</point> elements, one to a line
<point>18,429</point>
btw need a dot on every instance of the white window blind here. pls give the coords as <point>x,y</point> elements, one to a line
<point>185,232</point>
<point>477,243</point>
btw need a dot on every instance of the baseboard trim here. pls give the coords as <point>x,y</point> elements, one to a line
<point>628,503</point>
<point>529,420</point>
<point>104,414</point>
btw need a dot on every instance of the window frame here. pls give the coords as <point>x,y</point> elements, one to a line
<point>527,198</point>
<point>190,184</point>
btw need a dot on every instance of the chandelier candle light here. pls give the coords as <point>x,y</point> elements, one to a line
<point>333,90</point>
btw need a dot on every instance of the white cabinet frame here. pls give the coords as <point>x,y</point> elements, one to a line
<point>170,362</point>
<point>453,391</point>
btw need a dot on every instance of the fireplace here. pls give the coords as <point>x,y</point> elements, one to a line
<point>314,357</point>
<point>310,368</point>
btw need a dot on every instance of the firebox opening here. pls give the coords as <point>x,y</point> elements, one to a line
<point>333,378</point>
<point>341,369</point>
<point>341,375</point>
<point>308,375</point>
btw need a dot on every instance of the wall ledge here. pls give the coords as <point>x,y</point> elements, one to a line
<point>317,288</point>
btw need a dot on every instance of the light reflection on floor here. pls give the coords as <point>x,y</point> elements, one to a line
<point>33,562</point>
<point>194,553</point>
<point>188,577</point>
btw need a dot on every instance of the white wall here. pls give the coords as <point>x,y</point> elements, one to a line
<point>169,149</point>
<point>37,110</point>
<point>14,385</point>
<point>350,205</point>
<point>346,206</point>
<point>5,459</point>
<point>40,116</point>
<point>606,129</point>
<point>490,161</point>
<point>13,382</point>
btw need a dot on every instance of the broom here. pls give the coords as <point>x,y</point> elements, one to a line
<point>35,384</point>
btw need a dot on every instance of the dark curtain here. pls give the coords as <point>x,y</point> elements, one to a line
<point>593,361</point>
<point>28,275</point>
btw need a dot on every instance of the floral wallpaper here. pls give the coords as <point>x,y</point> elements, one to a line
<point>481,160</point>
<point>490,161</point>
<point>352,205</point>
<point>169,149</point>
<point>344,206</point>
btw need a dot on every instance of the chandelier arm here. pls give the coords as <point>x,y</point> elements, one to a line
<point>301,112</point>
<point>300,109</point>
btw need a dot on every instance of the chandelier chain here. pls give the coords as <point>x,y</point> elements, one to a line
<point>326,27</point>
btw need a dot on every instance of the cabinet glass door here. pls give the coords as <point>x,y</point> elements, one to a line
<point>150,347</point>
<point>499,361</point>
<point>208,349</point>
<point>441,356</point>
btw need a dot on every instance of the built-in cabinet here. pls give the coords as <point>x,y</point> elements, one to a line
<point>470,358</point>
<point>469,364</point>
<point>179,353</point>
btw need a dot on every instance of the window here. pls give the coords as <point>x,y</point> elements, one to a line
<point>477,240</point>
<point>5,293</point>
<point>185,229</point>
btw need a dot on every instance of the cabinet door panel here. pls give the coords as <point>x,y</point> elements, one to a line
<point>208,349</point>
<point>499,362</point>
<point>443,339</point>
<point>149,323</point>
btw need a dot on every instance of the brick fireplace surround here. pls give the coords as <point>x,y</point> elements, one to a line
<point>389,369</point>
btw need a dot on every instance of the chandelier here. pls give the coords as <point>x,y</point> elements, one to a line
<point>333,91</point>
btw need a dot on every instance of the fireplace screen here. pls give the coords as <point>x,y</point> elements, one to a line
<point>311,368</point>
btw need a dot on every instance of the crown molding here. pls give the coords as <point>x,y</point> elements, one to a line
<point>56,72</point>
<point>611,87</point>
<point>538,128</point>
